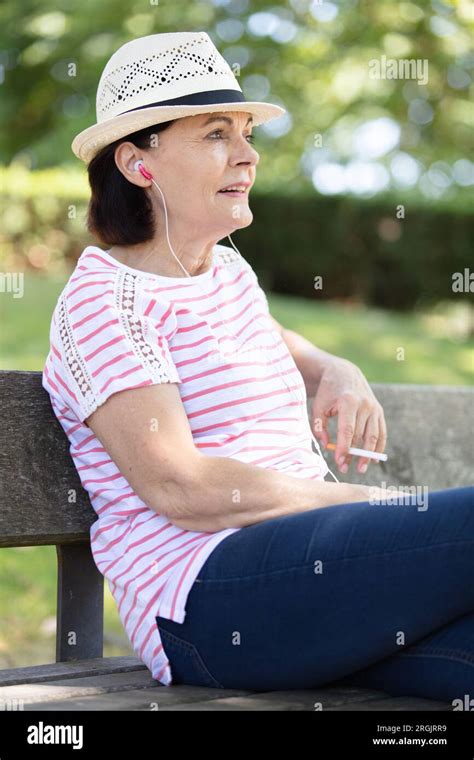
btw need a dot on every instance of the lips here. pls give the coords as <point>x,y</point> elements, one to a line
<point>233,193</point>
<point>242,184</point>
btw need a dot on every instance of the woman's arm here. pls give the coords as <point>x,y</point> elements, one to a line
<point>146,433</point>
<point>222,492</point>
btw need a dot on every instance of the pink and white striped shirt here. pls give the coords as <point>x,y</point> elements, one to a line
<point>115,328</point>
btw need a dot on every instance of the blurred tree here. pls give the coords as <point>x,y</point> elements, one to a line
<point>349,127</point>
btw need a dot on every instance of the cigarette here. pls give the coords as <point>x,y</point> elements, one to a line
<point>362,452</point>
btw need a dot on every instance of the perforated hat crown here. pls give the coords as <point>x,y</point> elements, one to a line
<point>159,78</point>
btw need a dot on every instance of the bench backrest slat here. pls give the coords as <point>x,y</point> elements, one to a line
<point>42,500</point>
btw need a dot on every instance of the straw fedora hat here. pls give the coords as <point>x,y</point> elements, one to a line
<point>161,77</point>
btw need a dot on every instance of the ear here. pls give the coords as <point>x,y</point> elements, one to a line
<point>126,158</point>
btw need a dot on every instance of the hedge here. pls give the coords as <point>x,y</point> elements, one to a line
<point>361,249</point>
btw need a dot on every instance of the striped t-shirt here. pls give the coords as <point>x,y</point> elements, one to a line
<point>114,328</point>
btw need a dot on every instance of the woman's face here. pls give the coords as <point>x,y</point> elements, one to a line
<point>195,158</point>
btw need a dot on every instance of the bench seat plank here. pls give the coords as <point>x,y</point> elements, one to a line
<point>232,703</point>
<point>67,688</point>
<point>401,703</point>
<point>71,669</point>
<point>187,698</point>
<point>155,698</point>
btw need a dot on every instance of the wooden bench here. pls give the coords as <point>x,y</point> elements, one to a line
<point>430,431</point>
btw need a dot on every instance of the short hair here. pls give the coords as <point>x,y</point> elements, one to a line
<point>119,212</point>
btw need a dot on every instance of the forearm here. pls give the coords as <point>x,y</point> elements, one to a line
<point>228,493</point>
<point>309,359</point>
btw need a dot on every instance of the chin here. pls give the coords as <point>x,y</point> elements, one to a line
<point>245,219</point>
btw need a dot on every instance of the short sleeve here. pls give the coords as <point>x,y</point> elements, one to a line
<point>106,348</point>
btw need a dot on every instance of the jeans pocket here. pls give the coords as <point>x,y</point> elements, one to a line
<point>187,665</point>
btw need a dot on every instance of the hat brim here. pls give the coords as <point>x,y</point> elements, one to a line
<point>91,140</point>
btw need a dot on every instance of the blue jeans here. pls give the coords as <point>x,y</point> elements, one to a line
<point>373,595</point>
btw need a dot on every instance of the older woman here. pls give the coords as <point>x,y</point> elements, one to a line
<point>185,405</point>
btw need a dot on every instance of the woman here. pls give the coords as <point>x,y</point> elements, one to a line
<point>212,435</point>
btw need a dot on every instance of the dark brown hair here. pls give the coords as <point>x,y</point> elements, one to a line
<point>119,212</point>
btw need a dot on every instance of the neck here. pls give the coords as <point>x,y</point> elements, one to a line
<point>155,257</point>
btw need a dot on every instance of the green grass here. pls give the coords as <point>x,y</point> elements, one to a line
<point>436,348</point>
<point>28,578</point>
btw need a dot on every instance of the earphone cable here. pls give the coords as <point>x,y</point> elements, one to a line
<point>291,390</point>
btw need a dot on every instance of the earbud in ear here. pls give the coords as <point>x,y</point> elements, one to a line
<point>138,165</point>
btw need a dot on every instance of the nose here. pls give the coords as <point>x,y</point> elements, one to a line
<point>247,152</point>
<point>256,156</point>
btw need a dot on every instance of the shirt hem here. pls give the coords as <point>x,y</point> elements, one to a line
<point>179,615</point>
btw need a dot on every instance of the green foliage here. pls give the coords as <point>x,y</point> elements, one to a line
<point>41,218</point>
<point>318,69</point>
<point>361,249</point>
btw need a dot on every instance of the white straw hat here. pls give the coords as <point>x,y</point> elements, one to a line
<point>161,77</point>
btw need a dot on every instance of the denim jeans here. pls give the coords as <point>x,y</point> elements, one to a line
<point>373,595</point>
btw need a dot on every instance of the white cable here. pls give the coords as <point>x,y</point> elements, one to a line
<point>298,398</point>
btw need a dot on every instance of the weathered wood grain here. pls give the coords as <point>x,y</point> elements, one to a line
<point>53,671</point>
<point>430,438</point>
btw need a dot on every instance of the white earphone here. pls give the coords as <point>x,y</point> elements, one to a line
<point>138,166</point>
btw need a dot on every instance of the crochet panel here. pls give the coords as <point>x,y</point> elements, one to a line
<point>74,363</point>
<point>126,297</point>
<point>130,325</point>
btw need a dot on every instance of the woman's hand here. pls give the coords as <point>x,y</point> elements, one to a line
<point>344,391</point>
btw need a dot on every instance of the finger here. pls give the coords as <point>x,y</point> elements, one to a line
<point>382,441</point>
<point>345,430</point>
<point>371,438</point>
<point>363,414</point>
<point>320,426</point>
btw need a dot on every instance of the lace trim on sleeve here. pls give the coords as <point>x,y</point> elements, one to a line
<point>125,298</point>
<point>126,294</point>
<point>74,362</point>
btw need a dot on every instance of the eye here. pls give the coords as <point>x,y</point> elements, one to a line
<point>251,138</point>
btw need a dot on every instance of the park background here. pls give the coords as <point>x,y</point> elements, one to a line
<point>366,182</point>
